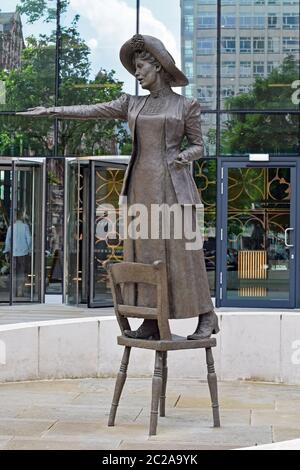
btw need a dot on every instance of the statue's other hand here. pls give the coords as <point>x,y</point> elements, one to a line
<point>180,161</point>
<point>38,111</point>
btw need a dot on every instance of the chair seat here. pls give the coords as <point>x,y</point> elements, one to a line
<point>177,343</point>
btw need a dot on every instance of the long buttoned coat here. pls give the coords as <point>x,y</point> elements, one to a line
<point>187,277</point>
<point>182,119</point>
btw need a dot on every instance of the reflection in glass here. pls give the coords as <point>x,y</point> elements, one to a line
<point>198,50</point>
<point>21,231</point>
<point>84,80</point>
<point>22,253</point>
<point>259,52</point>
<point>208,128</point>
<point>106,245</point>
<point>205,179</point>
<point>27,55</point>
<point>29,184</point>
<point>259,133</point>
<point>258,260</point>
<point>54,227</point>
<point>92,137</point>
<point>76,233</point>
<point>23,137</point>
<point>262,39</point>
<point>5,201</point>
<point>107,240</point>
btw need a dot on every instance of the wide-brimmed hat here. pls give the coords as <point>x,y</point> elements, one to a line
<point>156,48</point>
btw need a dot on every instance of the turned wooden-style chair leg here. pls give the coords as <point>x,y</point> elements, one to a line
<point>156,392</point>
<point>213,386</point>
<point>121,378</point>
<point>164,384</point>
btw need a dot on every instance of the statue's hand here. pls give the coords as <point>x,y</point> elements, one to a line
<point>38,111</point>
<point>180,161</point>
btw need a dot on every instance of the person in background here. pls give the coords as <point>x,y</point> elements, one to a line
<point>21,251</point>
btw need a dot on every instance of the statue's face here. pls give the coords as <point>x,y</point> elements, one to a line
<point>147,73</point>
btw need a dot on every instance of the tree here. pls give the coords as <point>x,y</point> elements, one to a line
<point>29,86</point>
<point>273,133</point>
<point>41,9</point>
<point>34,84</point>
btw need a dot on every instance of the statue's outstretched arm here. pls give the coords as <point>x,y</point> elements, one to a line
<point>116,109</point>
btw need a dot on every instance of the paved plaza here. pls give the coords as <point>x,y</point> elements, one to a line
<point>37,312</point>
<point>72,414</point>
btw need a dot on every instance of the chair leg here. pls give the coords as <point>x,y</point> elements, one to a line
<point>213,386</point>
<point>156,392</point>
<point>121,378</point>
<point>164,384</point>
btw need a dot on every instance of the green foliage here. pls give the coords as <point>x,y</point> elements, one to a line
<point>274,133</point>
<point>126,146</point>
<point>34,85</point>
<point>41,9</point>
<point>272,92</point>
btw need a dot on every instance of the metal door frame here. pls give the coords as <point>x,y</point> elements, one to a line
<point>221,239</point>
<point>91,162</point>
<point>93,166</point>
<point>76,161</point>
<point>12,164</point>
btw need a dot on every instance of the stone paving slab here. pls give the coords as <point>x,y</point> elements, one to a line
<point>44,444</point>
<point>78,430</point>
<point>292,405</point>
<point>276,418</point>
<point>4,442</point>
<point>16,398</point>
<point>150,445</point>
<point>46,386</point>
<point>36,312</point>
<point>11,411</point>
<point>76,412</point>
<point>24,427</point>
<point>73,414</point>
<point>139,399</point>
<point>233,436</point>
<point>287,445</point>
<point>189,401</point>
<point>283,434</point>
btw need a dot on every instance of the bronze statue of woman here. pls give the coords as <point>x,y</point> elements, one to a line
<point>158,173</point>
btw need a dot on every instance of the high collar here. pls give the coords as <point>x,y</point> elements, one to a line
<point>161,92</point>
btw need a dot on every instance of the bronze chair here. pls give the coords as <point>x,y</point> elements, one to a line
<point>154,274</point>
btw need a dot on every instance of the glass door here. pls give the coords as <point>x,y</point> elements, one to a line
<point>5,204</point>
<point>105,240</point>
<point>22,209</point>
<point>28,229</point>
<point>76,231</point>
<point>73,231</point>
<point>257,235</point>
<point>92,195</point>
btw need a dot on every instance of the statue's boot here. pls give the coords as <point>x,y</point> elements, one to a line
<point>147,330</point>
<point>207,326</point>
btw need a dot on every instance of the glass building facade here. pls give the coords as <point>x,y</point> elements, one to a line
<point>58,176</point>
<point>242,60</point>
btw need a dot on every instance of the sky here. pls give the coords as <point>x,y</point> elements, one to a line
<point>107,24</point>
